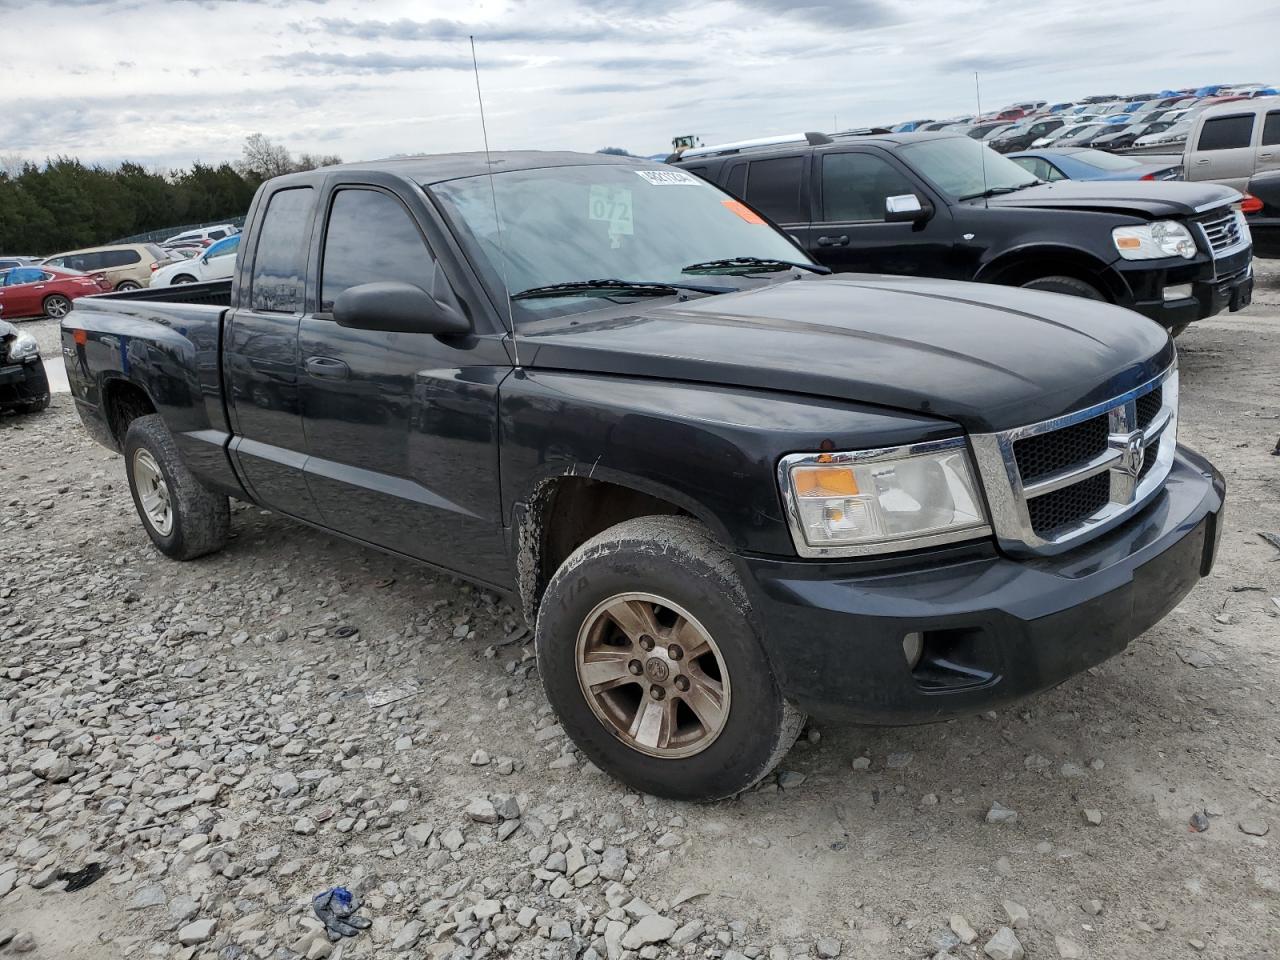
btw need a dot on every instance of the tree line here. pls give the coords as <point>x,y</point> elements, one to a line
<point>65,204</point>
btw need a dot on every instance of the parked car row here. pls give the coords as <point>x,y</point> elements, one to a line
<point>940,205</point>
<point>34,286</point>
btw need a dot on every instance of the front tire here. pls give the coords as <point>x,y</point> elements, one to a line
<point>1068,285</point>
<point>183,518</point>
<point>182,278</point>
<point>650,655</point>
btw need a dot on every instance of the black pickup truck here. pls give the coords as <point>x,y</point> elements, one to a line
<point>725,488</point>
<point>944,205</point>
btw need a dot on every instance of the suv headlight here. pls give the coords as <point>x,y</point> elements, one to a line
<point>881,501</point>
<point>24,348</point>
<point>1154,241</point>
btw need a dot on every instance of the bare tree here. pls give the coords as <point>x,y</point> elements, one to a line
<point>264,158</point>
<point>12,163</point>
<point>313,161</point>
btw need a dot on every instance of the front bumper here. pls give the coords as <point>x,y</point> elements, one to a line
<point>994,628</point>
<point>23,383</point>
<point>1216,285</point>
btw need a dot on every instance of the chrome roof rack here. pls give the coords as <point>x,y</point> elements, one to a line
<point>813,139</point>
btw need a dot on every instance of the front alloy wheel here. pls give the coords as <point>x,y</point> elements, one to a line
<point>651,672</point>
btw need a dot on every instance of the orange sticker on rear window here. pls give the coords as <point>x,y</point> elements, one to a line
<point>742,210</point>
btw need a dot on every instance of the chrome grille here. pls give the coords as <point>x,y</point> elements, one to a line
<point>1052,484</point>
<point>1223,230</point>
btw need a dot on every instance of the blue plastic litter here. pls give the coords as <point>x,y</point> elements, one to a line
<point>336,908</point>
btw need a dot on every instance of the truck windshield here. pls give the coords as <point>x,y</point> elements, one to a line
<point>570,225</point>
<point>955,166</point>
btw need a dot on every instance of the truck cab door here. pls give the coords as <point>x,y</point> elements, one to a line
<point>850,232</point>
<point>401,427</point>
<point>260,356</point>
<point>1225,149</point>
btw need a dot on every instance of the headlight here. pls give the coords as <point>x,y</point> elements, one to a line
<point>24,348</point>
<point>880,501</point>
<point>1154,241</point>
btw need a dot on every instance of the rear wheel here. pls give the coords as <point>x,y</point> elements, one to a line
<point>56,306</point>
<point>182,517</point>
<point>650,656</point>
<point>1068,285</point>
<point>124,285</point>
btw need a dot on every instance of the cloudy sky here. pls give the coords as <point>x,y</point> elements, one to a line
<point>166,82</point>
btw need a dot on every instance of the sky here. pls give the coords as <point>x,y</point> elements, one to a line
<point>169,82</point>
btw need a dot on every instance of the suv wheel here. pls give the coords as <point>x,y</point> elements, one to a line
<point>183,518</point>
<point>1068,285</point>
<point>650,656</point>
<point>124,285</point>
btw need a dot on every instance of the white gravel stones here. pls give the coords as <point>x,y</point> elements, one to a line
<point>481,810</point>
<point>962,929</point>
<point>1092,817</point>
<point>1017,913</point>
<point>1004,946</point>
<point>647,930</point>
<point>198,931</point>
<point>1068,949</point>
<point>999,813</point>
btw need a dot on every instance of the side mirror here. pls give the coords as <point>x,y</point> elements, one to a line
<point>396,307</point>
<point>906,208</point>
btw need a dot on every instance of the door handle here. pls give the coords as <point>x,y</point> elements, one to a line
<point>1264,156</point>
<point>840,241</point>
<point>326,368</point>
<point>1203,160</point>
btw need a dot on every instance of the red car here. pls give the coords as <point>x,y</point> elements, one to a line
<point>44,291</point>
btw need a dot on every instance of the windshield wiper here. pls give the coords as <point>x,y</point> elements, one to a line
<point>607,287</point>
<point>732,265</point>
<point>996,191</point>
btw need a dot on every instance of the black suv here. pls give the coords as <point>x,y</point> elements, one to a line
<point>942,205</point>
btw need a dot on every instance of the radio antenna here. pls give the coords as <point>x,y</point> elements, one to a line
<point>497,220</point>
<point>982,153</point>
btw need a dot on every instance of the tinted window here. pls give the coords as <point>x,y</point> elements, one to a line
<point>773,188</point>
<point>855,185</point>
<point>371,237</point>
<point>1271,129</point>
<point>119,258</point>
<point>24,275</point>
<point>737,180</point>
<point>280,265</point>
<point>1226,133</point>
<point>217,234</point>
<point>223,247</point>
<point>85,261</point>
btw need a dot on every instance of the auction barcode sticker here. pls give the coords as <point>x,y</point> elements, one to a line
<point>669,178</point>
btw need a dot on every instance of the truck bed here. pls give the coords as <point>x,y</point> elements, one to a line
<point>214,293</point>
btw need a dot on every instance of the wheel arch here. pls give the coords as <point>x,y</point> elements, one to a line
<point>123,401</point>
<point>1023,264</point>
<point>564,510</point>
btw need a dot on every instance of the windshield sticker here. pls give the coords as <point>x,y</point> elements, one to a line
<point>669,178</point>
<point>742,210</point>
<point>613,206</point>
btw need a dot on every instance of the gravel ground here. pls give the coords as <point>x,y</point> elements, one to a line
<point>228,737</point>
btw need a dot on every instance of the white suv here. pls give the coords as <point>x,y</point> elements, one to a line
<point>195,238</point>
<point>216,263</point>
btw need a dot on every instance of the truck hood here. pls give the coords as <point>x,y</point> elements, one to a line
<point>1149,199</point>
<point>986,357</point>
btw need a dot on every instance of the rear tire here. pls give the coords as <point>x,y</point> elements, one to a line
<point>1068,285</point>
<point>720,723</point>
<point>125,285</point>
<point>56,306</point>
<point>183,518</point>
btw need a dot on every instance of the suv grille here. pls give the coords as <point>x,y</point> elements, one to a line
<point>1222,230</point>
<point>1054,483</point>
<point>1047,453</point>
<point>1062,508</point>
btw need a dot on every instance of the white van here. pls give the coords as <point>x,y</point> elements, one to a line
<point>198,236</point>
<point>1231,142</point>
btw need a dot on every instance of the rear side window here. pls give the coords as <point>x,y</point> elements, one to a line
<point>86,261</point>
<point>371,237</point>
<point>119,258</point>
<point>217,234</point>
<point>856,185</point>
<point>280,263</point>
<point>1271,129</point>
<point>736,183</point>
<point>773,188</point>
<point>1226,133</point>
